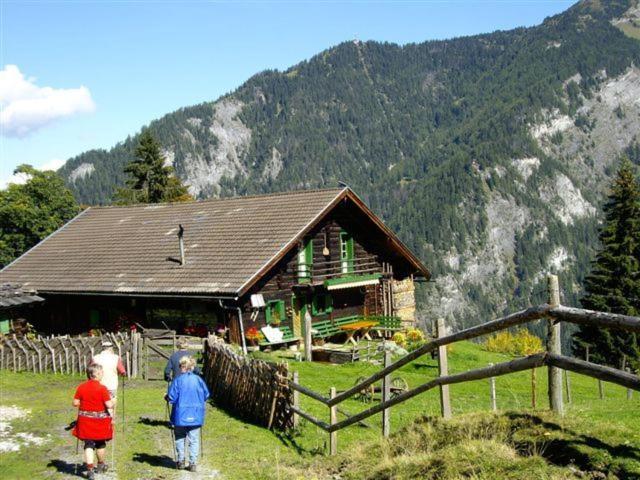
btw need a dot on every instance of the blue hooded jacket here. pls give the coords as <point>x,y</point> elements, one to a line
<point>188,394</point>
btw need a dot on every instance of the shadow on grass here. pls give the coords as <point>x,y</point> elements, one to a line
<point>286,438</point>
<point>66,467</point>
<point>568,451</point>
<point>154,422</point>
<point>289,441</point>
<point>154,460</point>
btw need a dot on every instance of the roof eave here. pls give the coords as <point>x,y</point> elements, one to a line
<point>417,263</point>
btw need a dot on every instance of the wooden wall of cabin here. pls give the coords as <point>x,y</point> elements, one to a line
<point>281,283</point>
<point>75,314</point>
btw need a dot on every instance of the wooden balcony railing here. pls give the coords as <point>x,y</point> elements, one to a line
<point>320,271</point>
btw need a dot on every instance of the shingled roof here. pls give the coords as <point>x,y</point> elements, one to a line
<point>15,296</point>
<point>228,243</point>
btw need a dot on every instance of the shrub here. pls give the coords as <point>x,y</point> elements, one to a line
<point>521,343</point>
<point>400,339</point>
<point>414,335</point>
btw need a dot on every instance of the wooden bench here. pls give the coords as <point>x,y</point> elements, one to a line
<point>387,324</point>
<point>329,328</point>
<point>287,337</point>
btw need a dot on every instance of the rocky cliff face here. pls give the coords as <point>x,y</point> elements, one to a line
<point>490,155</point>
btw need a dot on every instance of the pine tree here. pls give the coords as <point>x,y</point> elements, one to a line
<point>614,282</point>
<point>150,180</point>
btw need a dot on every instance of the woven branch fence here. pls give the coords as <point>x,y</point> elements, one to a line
<point>66,354</point>
<point>253,390</point>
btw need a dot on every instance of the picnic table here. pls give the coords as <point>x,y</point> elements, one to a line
<point>363,326</point>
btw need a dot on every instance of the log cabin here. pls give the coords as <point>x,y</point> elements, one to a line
<point>234,264</point>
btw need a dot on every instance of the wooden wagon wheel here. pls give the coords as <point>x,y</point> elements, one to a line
<point>366,394</point>
<point>398,385</point>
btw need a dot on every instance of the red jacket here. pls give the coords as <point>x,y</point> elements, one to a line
<point>94,422</point>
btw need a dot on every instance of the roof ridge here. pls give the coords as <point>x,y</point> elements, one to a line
<point>222,199</point>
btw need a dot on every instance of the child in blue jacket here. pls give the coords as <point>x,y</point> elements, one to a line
<point>187,395</point>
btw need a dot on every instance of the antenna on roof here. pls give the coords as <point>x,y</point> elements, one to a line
<point>181,242</point>
<point>343,184</point>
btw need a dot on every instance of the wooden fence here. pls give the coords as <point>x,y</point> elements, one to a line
<point>253,390</point>
<point>67,355</point>
<point>552,358</point>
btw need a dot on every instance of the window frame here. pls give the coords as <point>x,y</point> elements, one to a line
<point>327,304</point>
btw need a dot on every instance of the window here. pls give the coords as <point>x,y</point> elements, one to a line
<point>322,304</point>
<point>346,252</point>
<point>275,312</point>
<point>305,261</point>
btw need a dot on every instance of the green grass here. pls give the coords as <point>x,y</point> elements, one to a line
<point>602,435</point>
<point>630,29</point>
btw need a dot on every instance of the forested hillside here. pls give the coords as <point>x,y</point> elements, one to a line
<point>489,155</point>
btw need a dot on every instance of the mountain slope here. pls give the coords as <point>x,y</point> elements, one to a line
<point>488,154</point>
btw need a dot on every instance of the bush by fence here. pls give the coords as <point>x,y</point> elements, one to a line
<point>253,390</point>
<point>521,343</point>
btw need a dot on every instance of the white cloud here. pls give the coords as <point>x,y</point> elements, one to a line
<point>21,178</point>
<point>26,107</point>
<point>17,178</point>
<point>53,164</point>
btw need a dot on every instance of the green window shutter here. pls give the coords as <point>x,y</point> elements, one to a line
<point>347,252</point>
<point>275,312</point>
<point>94,318</point>
<point>5,326</point>
<point>305,262</point>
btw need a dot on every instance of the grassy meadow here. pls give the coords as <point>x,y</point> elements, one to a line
<point>596,438</point>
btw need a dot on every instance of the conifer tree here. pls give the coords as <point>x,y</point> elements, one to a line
<point>151,181</point>
<point>614,282</point>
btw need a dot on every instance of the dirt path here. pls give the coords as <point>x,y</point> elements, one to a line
<point>34,443</point>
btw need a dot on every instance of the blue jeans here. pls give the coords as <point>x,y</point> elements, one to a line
<point>193,434</point>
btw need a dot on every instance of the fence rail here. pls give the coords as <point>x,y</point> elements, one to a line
<point>552,358</point>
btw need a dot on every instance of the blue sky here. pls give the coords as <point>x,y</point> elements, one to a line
<point>76,75</point>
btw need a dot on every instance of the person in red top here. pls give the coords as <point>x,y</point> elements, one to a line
<point>94,425</point>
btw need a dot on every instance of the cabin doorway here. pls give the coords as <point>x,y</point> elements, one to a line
<point>298,308</point>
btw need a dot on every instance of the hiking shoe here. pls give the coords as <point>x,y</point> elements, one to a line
<point>180,466</point>
<point>101,468</point>
<point>193,467</point>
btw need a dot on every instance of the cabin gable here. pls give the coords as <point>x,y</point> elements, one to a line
<point>343,266</point>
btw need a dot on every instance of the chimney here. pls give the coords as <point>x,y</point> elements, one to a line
<point>181,241</point>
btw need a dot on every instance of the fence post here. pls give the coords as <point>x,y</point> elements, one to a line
<point>386,395</point>
<point>629,391</point>
<point>554,346</point>
<point>133,347</point>
<point>567,384</point>
<point>492,386</point>
<point>146,359</point>
<point>308,354</point>
<point>443,367</point>
<point>600,389</point>
<point>333,419</point>
<point>296,400</point>
<point>533,388</point>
